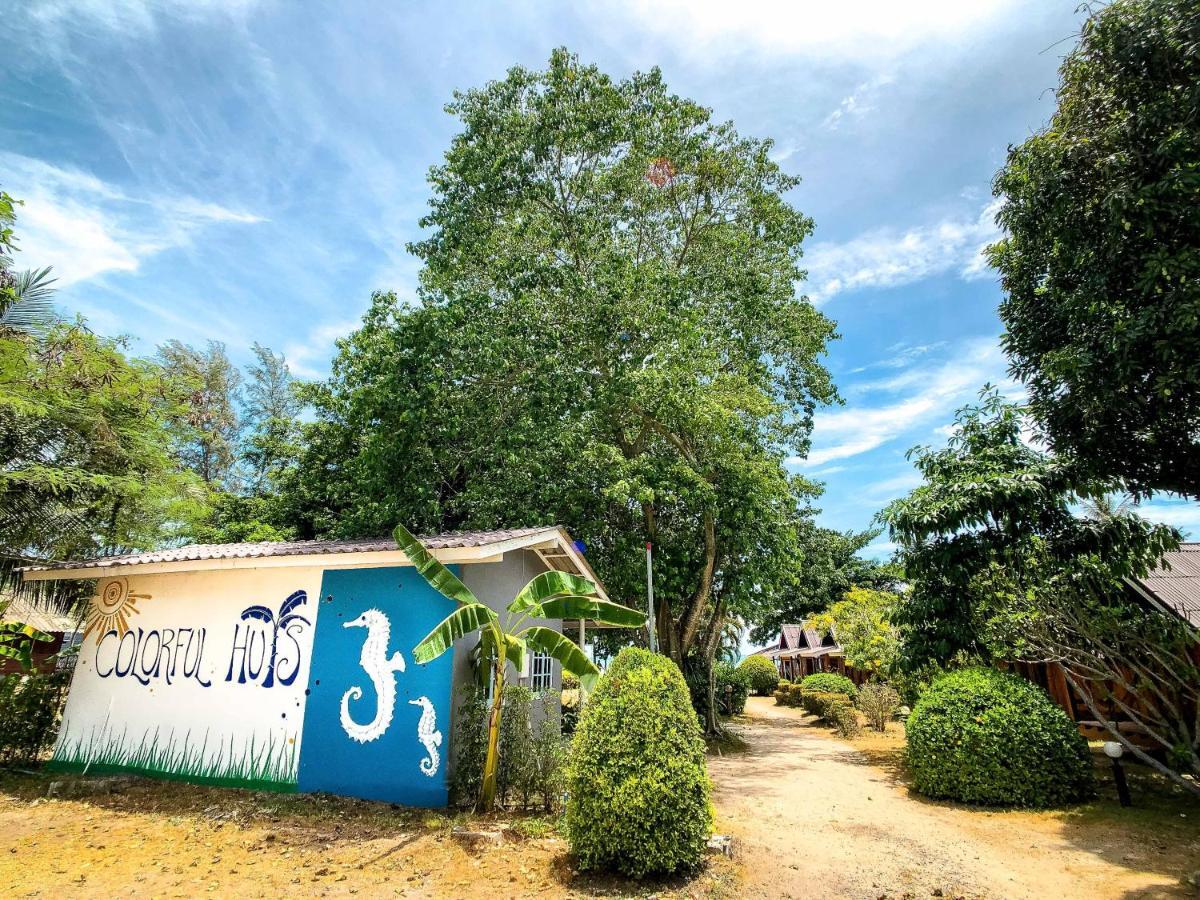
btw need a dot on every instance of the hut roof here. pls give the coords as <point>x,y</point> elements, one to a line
<point>1175,585</point>
<point>552,544</point>
<point>26,612</point>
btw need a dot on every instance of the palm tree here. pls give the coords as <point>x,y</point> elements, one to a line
<point>551,595</point>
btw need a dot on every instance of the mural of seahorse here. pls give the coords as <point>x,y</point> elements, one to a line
<point>381,670</point>
<point>428,735</point>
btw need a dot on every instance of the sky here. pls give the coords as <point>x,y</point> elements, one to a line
<point>250,170</point>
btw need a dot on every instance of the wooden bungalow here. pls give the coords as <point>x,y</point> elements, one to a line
<point>802,651</point>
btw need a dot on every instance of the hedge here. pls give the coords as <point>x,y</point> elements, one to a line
<point>638,790</point>
<point>994,739</point>
<point>830,683</point>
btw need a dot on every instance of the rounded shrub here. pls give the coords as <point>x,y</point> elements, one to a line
<point>991,738</point>
<point>829,683</point>
<point>637,786</point>
<point>763,676</point>
<point>732,686</point>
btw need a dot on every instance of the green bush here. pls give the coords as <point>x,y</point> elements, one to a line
<point>762,674</point>
<point>782,696</point>
<point>879,703</point>
<point>991,738</point>
<point>637,787</point>
<point>844,717</point>
<point>30,705</point>
<point>731,702</point>
<point>830,683</point>
<point>532,749</point>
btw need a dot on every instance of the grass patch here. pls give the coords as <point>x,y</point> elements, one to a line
<point>268,764</point>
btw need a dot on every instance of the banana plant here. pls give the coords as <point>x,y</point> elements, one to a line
<point>16,642</point>
<point>551,595</point>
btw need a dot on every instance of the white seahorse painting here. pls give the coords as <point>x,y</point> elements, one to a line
<point>381,670</point>
<point>428,735</point>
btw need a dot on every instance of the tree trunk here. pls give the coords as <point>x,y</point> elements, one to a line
<point>491,765</point>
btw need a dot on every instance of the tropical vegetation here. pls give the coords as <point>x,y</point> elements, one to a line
<point>994,739</point>
<point>1100,261</point>
<point>1003,566</point>
<point>637,787</point>
<point>761,672</point>
<point>550,595</point>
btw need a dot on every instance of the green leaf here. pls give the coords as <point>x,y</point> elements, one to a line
<point>24,631</point>
<point>566,651</point>
<point>460,622</point>
<point>514,650</point>
<point>439,577</point>
<point>593,608</point>
<point>547,585</point>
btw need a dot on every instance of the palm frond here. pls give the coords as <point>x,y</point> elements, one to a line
<point>32,311</point>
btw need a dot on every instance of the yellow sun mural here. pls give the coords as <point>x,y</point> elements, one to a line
<point>112,607</point>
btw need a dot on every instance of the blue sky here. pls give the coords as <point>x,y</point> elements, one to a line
<point>249,170</point>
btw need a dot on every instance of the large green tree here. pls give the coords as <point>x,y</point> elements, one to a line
<point>1101,261</point>
<point>608,335</point>
<point>1002,567</point>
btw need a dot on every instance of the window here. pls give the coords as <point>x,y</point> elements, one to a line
<point>68,652</point>
<point>541,672</point>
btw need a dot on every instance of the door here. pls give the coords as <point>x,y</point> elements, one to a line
<point>376,724</point>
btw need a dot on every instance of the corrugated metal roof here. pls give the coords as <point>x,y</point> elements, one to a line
<point>1177,583</point>
<point>192,552</point>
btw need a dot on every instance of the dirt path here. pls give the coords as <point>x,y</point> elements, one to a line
<point>814,818</point>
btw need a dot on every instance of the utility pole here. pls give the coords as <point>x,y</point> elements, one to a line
<point>650,600</point>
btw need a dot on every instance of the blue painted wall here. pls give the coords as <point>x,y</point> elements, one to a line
<point>390,767</point>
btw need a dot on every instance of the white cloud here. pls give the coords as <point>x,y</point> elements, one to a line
<point>902,355</point>
<point>310,358</point>
<point>1179,514</point>
<point>857,104</point>
<point>870,30</point>
<point>885,257</point>
<point>938,391</point>
<point>85,227</point>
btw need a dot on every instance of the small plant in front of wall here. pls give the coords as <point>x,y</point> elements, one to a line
<point>551,595</point>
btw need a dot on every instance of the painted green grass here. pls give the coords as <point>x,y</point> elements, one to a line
<point>259,764</point>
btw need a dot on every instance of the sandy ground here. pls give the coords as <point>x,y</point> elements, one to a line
<point>815,817</point>
<point>812,816</point>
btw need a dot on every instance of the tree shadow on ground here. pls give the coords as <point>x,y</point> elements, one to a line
<point>1159,834</point>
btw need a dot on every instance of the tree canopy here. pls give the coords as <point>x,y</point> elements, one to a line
<point>1101,261</point>
<point>608,336</point>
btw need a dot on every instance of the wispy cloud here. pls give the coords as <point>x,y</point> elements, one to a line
<point>859,103</point>
<point>85,227</point>
<point>933,393</point>
<point>310,358</point>
<point>885,257</point>
<point>901,355</point>
<point>874,29</point>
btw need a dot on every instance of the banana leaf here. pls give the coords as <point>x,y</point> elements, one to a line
<point>550,584</point>
<point>442,579</point>
<point>572,607</point>
<point>462,621</point>
<point>567,652</point>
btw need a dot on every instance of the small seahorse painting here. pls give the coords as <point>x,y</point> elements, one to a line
<point>428,735</point>
<point>381,670</point>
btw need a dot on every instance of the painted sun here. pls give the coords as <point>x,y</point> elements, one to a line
<point>112,607</point>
